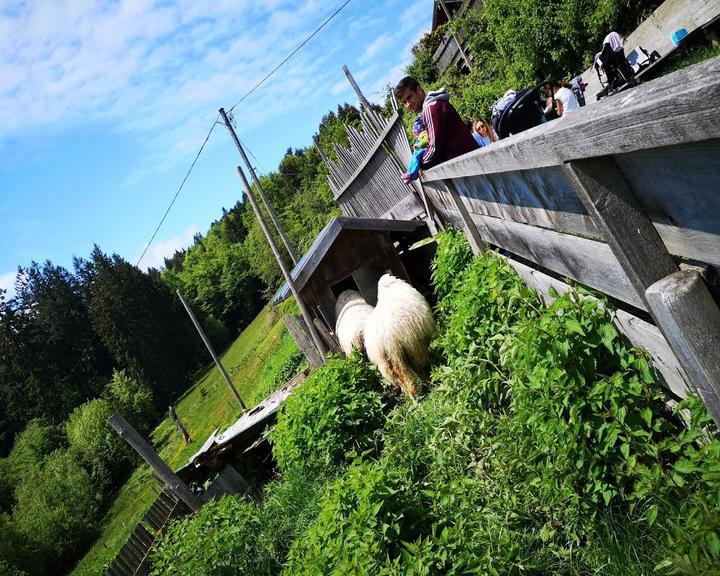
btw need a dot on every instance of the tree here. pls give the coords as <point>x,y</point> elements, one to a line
<point>140,323</point>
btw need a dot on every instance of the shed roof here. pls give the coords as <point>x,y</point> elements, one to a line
<point>310,261</point>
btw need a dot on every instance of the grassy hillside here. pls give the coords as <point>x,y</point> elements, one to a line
<point>257,362</point>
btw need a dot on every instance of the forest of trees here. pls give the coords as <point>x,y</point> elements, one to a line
<point>77,345</point>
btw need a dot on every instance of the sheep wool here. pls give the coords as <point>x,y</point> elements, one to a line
<point>398,333</point>
<point>351,312</point>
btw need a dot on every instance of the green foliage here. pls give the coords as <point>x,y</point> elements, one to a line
<point>95,444</point>
<point>236,536</point>
<point>330,418</point>
<point>452,257</point>
<point>132,399</point>
<point>222,538</point>
<point>57,510</point>
<point>141,323</point>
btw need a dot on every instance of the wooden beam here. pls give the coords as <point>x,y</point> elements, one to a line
<point>477,242</point>
<point>297,329</point>
<point>180,428</point>
<point>171,480</point>
<point>690,320</point>
<point>633,239</point>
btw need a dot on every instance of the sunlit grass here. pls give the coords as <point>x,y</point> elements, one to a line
<point>253,361</point>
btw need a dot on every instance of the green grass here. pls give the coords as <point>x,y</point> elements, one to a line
<point>254,361</point>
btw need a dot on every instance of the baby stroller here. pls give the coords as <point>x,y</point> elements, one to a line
<point>518,111</point>
<point>618,71</point>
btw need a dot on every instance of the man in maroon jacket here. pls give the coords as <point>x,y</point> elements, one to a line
<point>448,136</point>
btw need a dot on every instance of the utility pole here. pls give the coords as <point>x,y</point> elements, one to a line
<point>273,216</point>
<point>225,375</point>
<point>457,40</point>
<point>283,267</point>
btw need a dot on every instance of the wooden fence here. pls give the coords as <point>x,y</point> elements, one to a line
<point>613,196</point>
<point>365,179</point>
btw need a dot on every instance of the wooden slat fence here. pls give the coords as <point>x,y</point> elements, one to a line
<point>613,196</point>
<point>132,560</point>
<point>365,179</point>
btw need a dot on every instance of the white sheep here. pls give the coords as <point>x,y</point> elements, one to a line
<point>351,312</point>
<point>398,333</point>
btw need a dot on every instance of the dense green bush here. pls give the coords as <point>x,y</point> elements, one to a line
<point>222,538</point>
<point>31,448</point>
<point>331,417</point>
<point>95,444</point>
<point>132,399</point>
<point>453,255</point>
<point>57,509</point>
<point>240,537</point>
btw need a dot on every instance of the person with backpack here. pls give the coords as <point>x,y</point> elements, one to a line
<point>447,134</point>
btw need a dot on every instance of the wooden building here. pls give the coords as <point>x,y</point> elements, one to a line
<point>448,52</point>
<point>352,253</point>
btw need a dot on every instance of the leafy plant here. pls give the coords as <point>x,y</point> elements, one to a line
<point>331,418</point>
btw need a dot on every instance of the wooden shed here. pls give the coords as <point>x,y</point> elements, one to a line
<point>352,253</point>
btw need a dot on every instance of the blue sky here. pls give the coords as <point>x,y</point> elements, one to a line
<point>104,105</point>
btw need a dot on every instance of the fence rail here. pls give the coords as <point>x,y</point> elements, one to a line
<point>613,196</point>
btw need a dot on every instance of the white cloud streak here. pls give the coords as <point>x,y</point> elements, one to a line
<point>7,282</point>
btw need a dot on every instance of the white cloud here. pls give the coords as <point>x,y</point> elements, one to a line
<point>158,251</point>
<point>7,282</point>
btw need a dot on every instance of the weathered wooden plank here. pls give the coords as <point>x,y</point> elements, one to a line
<point>302,338</point>
<point>332,344</point>
<point>678,108</point>
<point>639,333</point>
<point>142,447</point>
<point>588,261</point>
<point>679,188</point>
<point>607,197</point>
<point>690,320</point>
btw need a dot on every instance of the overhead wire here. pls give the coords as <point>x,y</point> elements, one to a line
<point>269,74</point>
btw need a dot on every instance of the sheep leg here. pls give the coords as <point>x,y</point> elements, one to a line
<point>396,371</point>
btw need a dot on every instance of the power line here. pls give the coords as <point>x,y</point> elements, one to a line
<point>177,193</point>
<point>261,82</point>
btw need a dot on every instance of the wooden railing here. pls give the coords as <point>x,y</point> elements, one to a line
<point>615,196</point>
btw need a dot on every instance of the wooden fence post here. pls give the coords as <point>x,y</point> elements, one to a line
<point>477,243</point>
<point>297,329</point>
<point>171,480</point>
<point>180,428</point>
<point>611,203</point>
<point>690,319</point>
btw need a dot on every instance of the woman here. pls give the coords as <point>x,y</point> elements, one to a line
<point>562,97</point>
<point>484,134</point>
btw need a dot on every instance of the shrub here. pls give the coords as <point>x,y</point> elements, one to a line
<point>331,417</point>
<point>95,444</point>
<point>222,538</point>
<point>57,509</point>
<point>132,399</point>
<point>452,257</point>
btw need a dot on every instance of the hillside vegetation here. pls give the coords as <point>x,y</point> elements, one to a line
<point>543,445</point>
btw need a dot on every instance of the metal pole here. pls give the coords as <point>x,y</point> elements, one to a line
<point>273,216</point>
<point>283,267</point>
<point>457,40</point>
<point>225,375</point>
<point>171,480</point>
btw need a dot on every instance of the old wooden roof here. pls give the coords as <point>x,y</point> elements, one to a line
<point>310,261</point>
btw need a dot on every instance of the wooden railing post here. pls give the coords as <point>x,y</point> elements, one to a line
<point>611,203</point>
<point>301,335</point>
<point>171,480</point>
<point>690,319</point>
<point>680,302</point>
<point>477,243</point>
